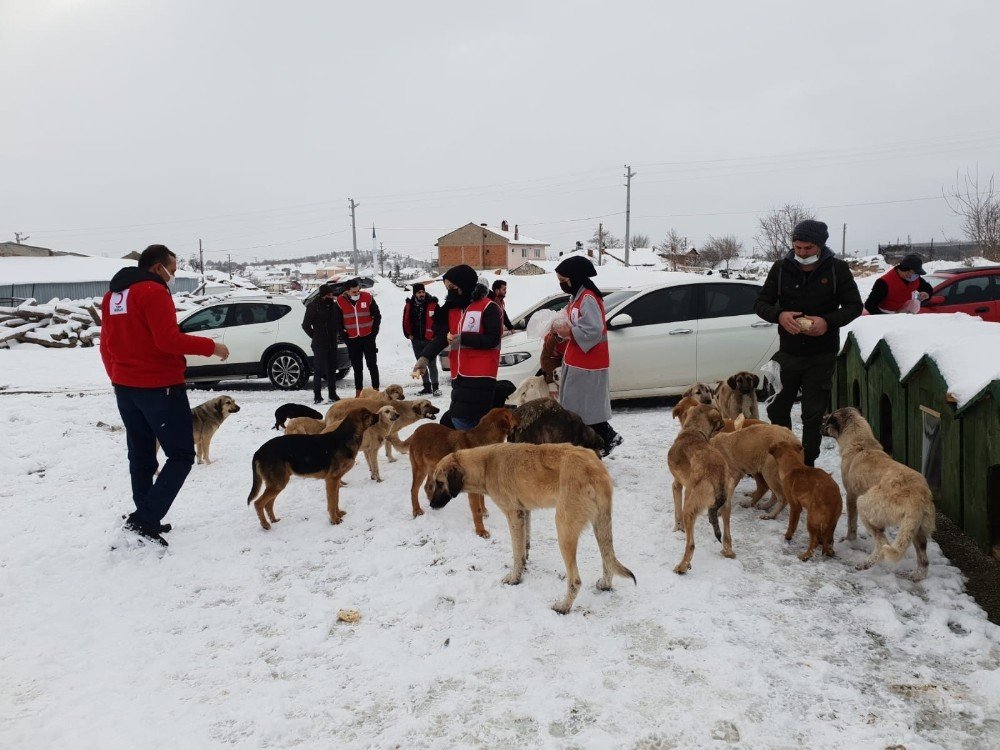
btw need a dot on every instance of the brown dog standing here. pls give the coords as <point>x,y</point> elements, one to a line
<point>746,452</point>
<point>737,395</point>
<point>430,443</point>
<point>811,489</point>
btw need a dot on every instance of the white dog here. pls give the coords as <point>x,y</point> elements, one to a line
<point>531,388</point>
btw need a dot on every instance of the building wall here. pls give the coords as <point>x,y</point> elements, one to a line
<point>46,292</point>
<point>474,245</point>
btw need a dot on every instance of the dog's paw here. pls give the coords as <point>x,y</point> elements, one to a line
<point>512,579</point>
<point>767,517</point>
<point>562,608</point>
<point>483,533</point>
<point>604,584</point>
<point>392,459</point>
<point>805,556</point>
<point>729,553</point>
<point>336,520</point>
<point>863,565</point>
<point>418,512</point>
<point>747,504</point>
<point>682,568</point>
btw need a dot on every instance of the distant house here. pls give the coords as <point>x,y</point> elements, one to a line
<point>17,250</point>
<point>528,268</point>
<point>331,272</point>
<point>950,251</point>
<point>482,246</point>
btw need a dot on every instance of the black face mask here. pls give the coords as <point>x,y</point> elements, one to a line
<point>566,287</point>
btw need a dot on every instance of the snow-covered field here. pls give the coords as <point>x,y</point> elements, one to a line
<point>230,637</point>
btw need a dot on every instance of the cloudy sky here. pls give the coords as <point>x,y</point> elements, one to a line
<point>249,124</point>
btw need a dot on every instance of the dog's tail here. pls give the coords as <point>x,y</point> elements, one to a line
<point>918,522</point>
<point>602,530</point>
<point>255,488</point>
<point>403,446</point>
<point>713,511</point>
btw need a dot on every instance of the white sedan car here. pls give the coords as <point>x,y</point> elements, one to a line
<point>666,336</point>
<point>265,339</point>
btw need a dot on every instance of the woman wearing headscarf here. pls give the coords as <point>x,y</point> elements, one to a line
<point>584,383</point>
<point>470,323</point>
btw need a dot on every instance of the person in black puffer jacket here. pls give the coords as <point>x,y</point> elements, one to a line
<point>811,294</point>
<point>322,324</point>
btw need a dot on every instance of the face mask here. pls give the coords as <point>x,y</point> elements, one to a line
<point>171,281</point>
<point>566,287</point>
<point>909,278</point>
<point>807,261</point>
<point>354,297</point>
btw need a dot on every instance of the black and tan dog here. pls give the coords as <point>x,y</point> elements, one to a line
<point>522,478</point>
<point>289,411</point>
<point>544,420</point>
<point>737,395</point>
<point>326,456</point>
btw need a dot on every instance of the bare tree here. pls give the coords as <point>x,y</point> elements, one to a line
<point>979,208</point>
<point>721,249</point>
<point>673,244</point>
<point>608,240</point>
<point>774,237</point>
<point>639,240</point>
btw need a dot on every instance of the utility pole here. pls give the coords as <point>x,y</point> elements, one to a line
<point>629,174</point>
<point>229,259</point>
<point>600,244</point>
<point>381,260</point>
<point>354,233</point>
<point>18,237</point>
<point>201,265</point>
<point>843,243</point>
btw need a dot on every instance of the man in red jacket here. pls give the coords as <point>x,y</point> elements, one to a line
<point>143,351</point>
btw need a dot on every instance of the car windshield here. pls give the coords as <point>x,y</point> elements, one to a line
<point>934,280</point>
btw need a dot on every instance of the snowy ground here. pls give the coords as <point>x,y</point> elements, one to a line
<point>230,637</point>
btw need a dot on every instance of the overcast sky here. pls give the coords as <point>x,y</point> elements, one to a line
<point>249,124</point>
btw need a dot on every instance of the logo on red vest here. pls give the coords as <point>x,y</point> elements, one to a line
<point>119,303</point>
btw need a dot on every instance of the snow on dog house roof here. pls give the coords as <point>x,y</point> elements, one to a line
<point>965,349</point>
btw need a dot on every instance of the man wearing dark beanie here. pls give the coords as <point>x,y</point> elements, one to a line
<point>469,323</point>
<point>811,294</point>
<point>418,327</point>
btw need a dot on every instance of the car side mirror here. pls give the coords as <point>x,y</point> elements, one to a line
<point>935,300</point>
<point>620,321</point>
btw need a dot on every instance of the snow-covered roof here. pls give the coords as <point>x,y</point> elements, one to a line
<point>521,238</point>
<point>65,269</point>
<point>965,349</point>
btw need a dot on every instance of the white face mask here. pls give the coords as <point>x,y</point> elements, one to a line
<point>807,261</point>
<point>354,297</point>
<point>171,281</point>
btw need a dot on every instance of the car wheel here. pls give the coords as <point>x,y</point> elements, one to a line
<point>286,369</point>
<point>341,374</point>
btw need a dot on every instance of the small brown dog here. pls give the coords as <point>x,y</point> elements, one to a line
<point>430,443</point>
<point>391,393</point>
<point>738,395</point>
<point>327,456</point>
<point>746,452</point>
<point>206,419</point>
<point>701,392</point>
<point>681,408</point>
<point>811,489</point>
<point>521,478</point>
<point>702,481</point>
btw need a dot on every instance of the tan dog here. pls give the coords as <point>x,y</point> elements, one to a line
<point>701,392</point>
<point>521,478</point>
<point>206,419</point>
<point>374,436</point>
<point>530,388</point>
<point>746,452</point>
<point>811,489</point>
<point>391,393</point>
<point>304,426</point>
<point>408,413</point>
<point>682,407</point>
<point>430,443</point>
<point>702,482</point>
<point>883,491</point>
<point>738,395</point>
<point>327,456</point>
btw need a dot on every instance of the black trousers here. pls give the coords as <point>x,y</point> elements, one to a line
<point>814,375</point>
<point>325,366</point>
<point>363,346</point>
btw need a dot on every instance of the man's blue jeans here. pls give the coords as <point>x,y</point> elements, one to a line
<point>151,415</point>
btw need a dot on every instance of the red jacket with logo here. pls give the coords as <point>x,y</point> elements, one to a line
<point>361,318</point>
<point>465,360</point>
<point>141,344</point>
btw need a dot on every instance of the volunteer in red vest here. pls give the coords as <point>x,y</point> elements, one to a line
<point>468,322</point>
<point>361,322</point>
<point>143,352</point>
<point>584,381</point>
<point>418,327</point>
<point>900,290</point>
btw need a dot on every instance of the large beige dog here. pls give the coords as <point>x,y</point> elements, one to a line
<point>391,393</point>
<point>738,395</point>
<point>746,452</point>
<point>521,478</point>
<point>702,481</point>
<point>883,491</point>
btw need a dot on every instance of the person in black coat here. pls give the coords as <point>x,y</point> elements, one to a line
<point>322,323</point>
<point>811,294</point>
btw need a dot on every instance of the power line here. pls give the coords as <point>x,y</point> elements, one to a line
<point>766,210</point>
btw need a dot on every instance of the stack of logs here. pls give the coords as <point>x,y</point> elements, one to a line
<point>57,325</point>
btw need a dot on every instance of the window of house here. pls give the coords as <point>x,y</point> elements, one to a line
<point>930,463</point>
<point>524,252</point>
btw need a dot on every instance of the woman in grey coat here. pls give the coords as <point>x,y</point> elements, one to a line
<point>584,385</point>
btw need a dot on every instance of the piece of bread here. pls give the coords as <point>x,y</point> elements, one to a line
<point>804,323</point>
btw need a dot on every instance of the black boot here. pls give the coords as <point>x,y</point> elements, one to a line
<point>133,524</point>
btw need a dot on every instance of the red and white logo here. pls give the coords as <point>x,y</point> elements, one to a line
<point>119,303</point>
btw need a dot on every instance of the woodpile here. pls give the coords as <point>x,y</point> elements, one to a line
<point>57,325</point>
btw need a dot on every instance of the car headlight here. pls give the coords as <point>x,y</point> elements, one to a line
<point>513,358</point>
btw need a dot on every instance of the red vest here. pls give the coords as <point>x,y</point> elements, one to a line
<point>471,363</point>
<point>900,292</point>
<point>598,358</point>
<point>429,309</point>
<point>357,316</point>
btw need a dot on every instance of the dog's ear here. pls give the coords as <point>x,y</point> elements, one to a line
<point>732,382</point>
<point>756,382</point>
<point>220,406</point>
<point>738,422</point>
<point>456,480</point>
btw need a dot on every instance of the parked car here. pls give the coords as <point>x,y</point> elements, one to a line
<point>975,291</point>
<point>665,336</point>
<point>265,340</point>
